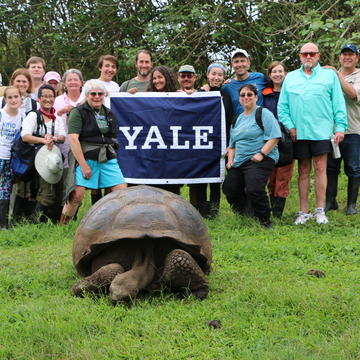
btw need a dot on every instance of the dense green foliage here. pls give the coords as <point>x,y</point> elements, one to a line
<point>269,307</point>
<point>70,33</point>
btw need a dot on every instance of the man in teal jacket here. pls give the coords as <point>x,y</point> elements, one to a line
<point>312,107</point>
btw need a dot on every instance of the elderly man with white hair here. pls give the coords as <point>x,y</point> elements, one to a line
<point>93,160</point>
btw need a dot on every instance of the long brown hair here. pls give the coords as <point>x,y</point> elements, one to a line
<point>170,84</point>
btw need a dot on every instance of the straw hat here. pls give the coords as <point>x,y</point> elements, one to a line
<point>49,164</point>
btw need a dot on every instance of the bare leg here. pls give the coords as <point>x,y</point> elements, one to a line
<point>304,183</point>
<point>99,281</point>
<point>117,187</point>
<point>182,272</point>
<point>70,208</point>
<point>127,285</point>
<point>320,163</point>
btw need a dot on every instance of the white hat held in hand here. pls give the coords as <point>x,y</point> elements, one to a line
<point>49,164</point>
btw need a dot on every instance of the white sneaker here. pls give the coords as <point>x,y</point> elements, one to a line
<point>320,216</point>
<point>302,218</point>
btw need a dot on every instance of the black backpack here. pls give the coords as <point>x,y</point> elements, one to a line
<point>285,144</point>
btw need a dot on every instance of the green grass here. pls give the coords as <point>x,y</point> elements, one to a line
<point>268,306</point>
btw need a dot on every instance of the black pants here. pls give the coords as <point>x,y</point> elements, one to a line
<point>200,192</point>
<point>248,182</point>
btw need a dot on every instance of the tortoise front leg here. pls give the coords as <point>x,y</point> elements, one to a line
<point>182,273</point>
<point>99,281</point>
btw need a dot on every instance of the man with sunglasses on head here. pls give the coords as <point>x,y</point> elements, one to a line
<point>312,107</point>
<point>187,78</point>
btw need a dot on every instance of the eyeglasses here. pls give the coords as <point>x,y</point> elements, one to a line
<point>184,76</point>
<point>249,94</point>
<point>310,53</point>
<point>94,93</point>
<point>47,96</point>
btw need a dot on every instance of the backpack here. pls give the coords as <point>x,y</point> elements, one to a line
<point>22,161</point>
<point>285,144</point>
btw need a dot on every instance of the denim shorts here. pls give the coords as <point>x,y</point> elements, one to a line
<point>103,175</point>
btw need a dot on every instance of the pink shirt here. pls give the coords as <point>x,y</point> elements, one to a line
<point>60,102</point>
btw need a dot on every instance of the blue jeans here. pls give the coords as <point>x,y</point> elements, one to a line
<point>350,153</point>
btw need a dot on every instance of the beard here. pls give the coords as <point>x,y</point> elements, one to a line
<point>309,66</point>
<point>144,73</point>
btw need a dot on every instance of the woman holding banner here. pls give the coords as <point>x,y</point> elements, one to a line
<point>210,208</point>
<point>162,79</point>
<point>252,155</point>
<point>92,161</point>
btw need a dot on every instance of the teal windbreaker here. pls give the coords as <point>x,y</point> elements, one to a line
<point>314,105</point>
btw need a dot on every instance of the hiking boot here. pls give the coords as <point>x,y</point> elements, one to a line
<point>277,206</point>
<point>302,218</point>
<point>331,192</point>
<point>266,224</point>
<point>352,194</point>
<point>320,216</point>
<point>4,213</point>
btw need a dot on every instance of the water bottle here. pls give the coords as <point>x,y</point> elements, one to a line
<point>335,149</point>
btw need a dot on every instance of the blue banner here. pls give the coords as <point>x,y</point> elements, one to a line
<point>170,138</point>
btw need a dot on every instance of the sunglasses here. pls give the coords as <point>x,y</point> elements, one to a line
<point>310,53</point>
<point>94,93</point>
<point>249,94</point>
<point>184,76</point>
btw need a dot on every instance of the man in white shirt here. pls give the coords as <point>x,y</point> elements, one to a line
<point>108,66</point>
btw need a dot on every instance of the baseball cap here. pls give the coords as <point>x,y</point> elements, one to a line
<point>187,68</point>
<point>350,47</point>
<point>240,51</point>
<point>52,75</point>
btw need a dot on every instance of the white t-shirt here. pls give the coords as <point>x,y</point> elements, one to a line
<point>111,86</point>
<point>9,126</point>
<point>29,126</point>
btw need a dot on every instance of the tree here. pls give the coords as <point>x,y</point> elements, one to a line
<point>69,33</point>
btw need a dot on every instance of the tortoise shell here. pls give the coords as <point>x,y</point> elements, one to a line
<point>141,212</point>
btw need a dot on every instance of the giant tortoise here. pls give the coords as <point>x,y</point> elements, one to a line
<point>139,238</point>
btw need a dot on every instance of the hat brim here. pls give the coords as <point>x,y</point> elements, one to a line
<point>42,169</point>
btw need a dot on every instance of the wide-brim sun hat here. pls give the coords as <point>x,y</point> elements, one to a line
<point>49,164</point>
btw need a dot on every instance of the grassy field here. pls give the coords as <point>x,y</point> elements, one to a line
<point>269,307</point>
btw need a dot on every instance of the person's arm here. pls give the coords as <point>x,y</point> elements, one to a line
<point>339,111</point>
<point>283,109</point>
<point>29,127</point>
<point>30,139</point>
<point>347,88</point>
<point>79,155</point>
<point>272,134</point>
<point>265,150</point>
<point>230,157</point>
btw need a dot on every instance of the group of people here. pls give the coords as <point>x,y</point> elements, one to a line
<point>75,117</point>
